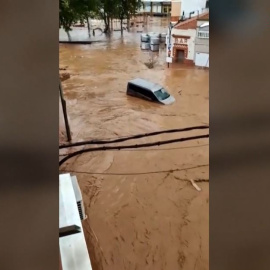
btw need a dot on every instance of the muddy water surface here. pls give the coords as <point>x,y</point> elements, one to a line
<point>143,212</point>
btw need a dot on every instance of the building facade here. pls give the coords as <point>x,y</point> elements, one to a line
<point>202,43</point>
<point>174,8</point>
<point>156,8</point>
<point>186,37</point>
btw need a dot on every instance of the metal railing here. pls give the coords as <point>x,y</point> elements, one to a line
<point>203,34</point>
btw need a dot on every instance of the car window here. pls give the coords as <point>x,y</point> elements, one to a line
<point>142,91</point>
<point>161,94</point>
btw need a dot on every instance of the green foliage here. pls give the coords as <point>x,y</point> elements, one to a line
<point>71,11</point>
<point>67,15</point>
<point>124,9</point>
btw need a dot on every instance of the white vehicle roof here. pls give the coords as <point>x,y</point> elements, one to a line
<point>146,84</point>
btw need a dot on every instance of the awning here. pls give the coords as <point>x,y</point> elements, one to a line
<point>204,24</point>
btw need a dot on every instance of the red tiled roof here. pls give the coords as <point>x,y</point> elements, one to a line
<point>192,23</point>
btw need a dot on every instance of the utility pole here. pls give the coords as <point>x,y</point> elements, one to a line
<point>64,107</point>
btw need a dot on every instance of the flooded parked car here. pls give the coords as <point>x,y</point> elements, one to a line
<point>150,91</point>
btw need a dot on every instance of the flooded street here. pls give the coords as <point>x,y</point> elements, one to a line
<point>143,212</point>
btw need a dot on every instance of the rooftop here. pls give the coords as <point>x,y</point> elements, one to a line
<point>192,22</point>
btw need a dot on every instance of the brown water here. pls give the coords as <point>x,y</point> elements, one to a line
<point>143,212</point>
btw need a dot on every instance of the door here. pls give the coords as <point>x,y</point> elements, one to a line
<point>180,56</point>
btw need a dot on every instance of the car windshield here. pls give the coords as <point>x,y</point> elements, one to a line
<point>161,94</point>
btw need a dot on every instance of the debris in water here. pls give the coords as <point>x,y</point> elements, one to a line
<point>64,76</point>
<point>195,185</point>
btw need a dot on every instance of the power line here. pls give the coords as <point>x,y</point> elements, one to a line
<point>104,148</point>
<point>137,173</point>
<point>122,139</point>
<point>153,149</point>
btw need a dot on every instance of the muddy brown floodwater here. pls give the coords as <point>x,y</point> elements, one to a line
<point>143,212</point>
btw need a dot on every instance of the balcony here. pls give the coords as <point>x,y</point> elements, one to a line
<point>203,34</point>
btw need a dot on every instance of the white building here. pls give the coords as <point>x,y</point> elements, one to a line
<point>202,44</point>
<point>184,37</point>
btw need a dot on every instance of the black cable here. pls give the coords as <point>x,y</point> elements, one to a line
<point>137,173</point>
<point>104,148</point>
<point>131,137</point>
<point>154,149</point>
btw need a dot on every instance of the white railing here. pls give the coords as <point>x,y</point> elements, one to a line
<point>203,34</point>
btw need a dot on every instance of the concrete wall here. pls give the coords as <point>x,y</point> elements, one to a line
<point>190,42</point>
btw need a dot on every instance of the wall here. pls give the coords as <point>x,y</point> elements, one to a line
<point>202,44</point>
<point>202,60</point>
<point>190,42</point>
<point>176,10</point>
<point>156,6</point>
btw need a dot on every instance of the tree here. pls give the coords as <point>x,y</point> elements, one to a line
<point>72,11</point>
<point>125,9</point>
<point>67,16</point>
<point>106,11</point>
<point>83,9</point>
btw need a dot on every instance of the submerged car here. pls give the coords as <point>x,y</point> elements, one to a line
<point>150,91</point>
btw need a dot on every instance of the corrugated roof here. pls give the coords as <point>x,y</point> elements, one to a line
<point>192,23</point>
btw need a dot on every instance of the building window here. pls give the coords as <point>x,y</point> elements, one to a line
<point>203,34</point>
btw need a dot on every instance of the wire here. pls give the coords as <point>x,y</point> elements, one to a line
<point>122,139</point>
<point>104,148</point>
<point>140,173</point>
<point>153,149</point>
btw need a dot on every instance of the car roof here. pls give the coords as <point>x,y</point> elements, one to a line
<point>146,84</point>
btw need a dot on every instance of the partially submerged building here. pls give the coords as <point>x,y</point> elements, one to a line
<point>190,39</point>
